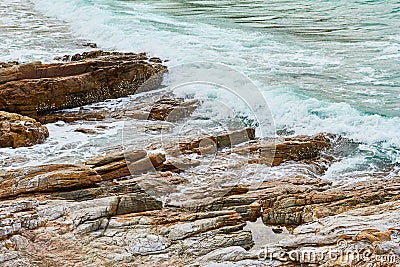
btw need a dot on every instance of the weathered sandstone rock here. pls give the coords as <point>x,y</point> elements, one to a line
<point>212,143</point>
<point>367,236</point>
<point>115,223</point>
<point>98,214</point>
<point>293,201</point>
<point>122,164</point>
<point>18,131</point>
<point>168,109</point>
<point>295,208</point>
<point>34,88</point>
<point>85,131</point>
<point>47,178</point>
<point>69,117</point>
<point>249,201</point>
<point>296,149</point>
<point>165,109</point>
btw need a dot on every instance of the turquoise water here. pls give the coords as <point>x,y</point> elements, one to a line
<point>328,66</point>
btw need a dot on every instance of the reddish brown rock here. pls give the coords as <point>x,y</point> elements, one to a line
<point>34,88</point>
<point>169,109</point>
<point>85,131</point>
<point>18,131</point>
<point>297,200</point>
<point>295,149</point>
<point>46,178</point>
<point>147,164</point>
<point>122,164</point>
<point>365,236</point>
<point>121,222</point>
<point>178,164</point>
<point>117,156</point>
<point>114,165</point>
<point>166,109</point>
<point>69,117</point>
<point>210,144</point>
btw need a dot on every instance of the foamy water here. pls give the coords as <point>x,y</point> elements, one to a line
<point>320,67</point>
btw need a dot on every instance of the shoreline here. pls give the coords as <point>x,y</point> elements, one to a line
<point>146,206</point>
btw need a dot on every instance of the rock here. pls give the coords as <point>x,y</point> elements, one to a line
<point>200,233</point>
<point>46,178</point>
<point>51,178</point>
<point>290,149</point>
<point>115,157</point>
<point>91,45</point>
<point>210,144</point>
<point>155,59</point>
<point>8,64</point>
<point>118,165</point>
<point>148,164</point>
<point>250,205</point>
<point>85,131</point>
<point>277,230</point>
<point>102,127</point>
<point>100,191</point>
<point>117,229</point>
<point>234,253</point>
<point>99,214</point>
<point>255,213</point>
<point>88,206</point>
<point>166,109</point>
<point>69,117</point>
<point>172,110</point>
<point>296,207</point>
<point>16,216</point>
<point>35,88</point>
<point>18,131</point>
<point>369,235</point>
<point>107,55</point>
<point>133,203</point>
<point>178,164</point>
<point>301,148</point>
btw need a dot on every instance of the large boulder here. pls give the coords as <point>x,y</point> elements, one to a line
<point>34,88</point>
<point>18,131</point>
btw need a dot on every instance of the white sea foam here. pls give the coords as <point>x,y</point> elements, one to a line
<point>310,116</point>
<point>308,87</point>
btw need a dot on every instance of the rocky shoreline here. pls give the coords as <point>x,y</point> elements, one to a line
<point>112,210</point>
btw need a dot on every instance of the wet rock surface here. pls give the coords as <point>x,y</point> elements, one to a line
<point>170,109</point>
<point>99,201</point>
<point>99,213</point>
<point>201,199</point>
<point>69,117</point>
<point>20,131</point>
<point>276,152</point>
<point>35,88</point>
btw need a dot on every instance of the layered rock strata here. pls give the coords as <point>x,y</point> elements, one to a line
<point>20,131</point>
<point>35,88</point>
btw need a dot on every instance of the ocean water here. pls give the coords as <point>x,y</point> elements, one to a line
<point>322,66</point>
